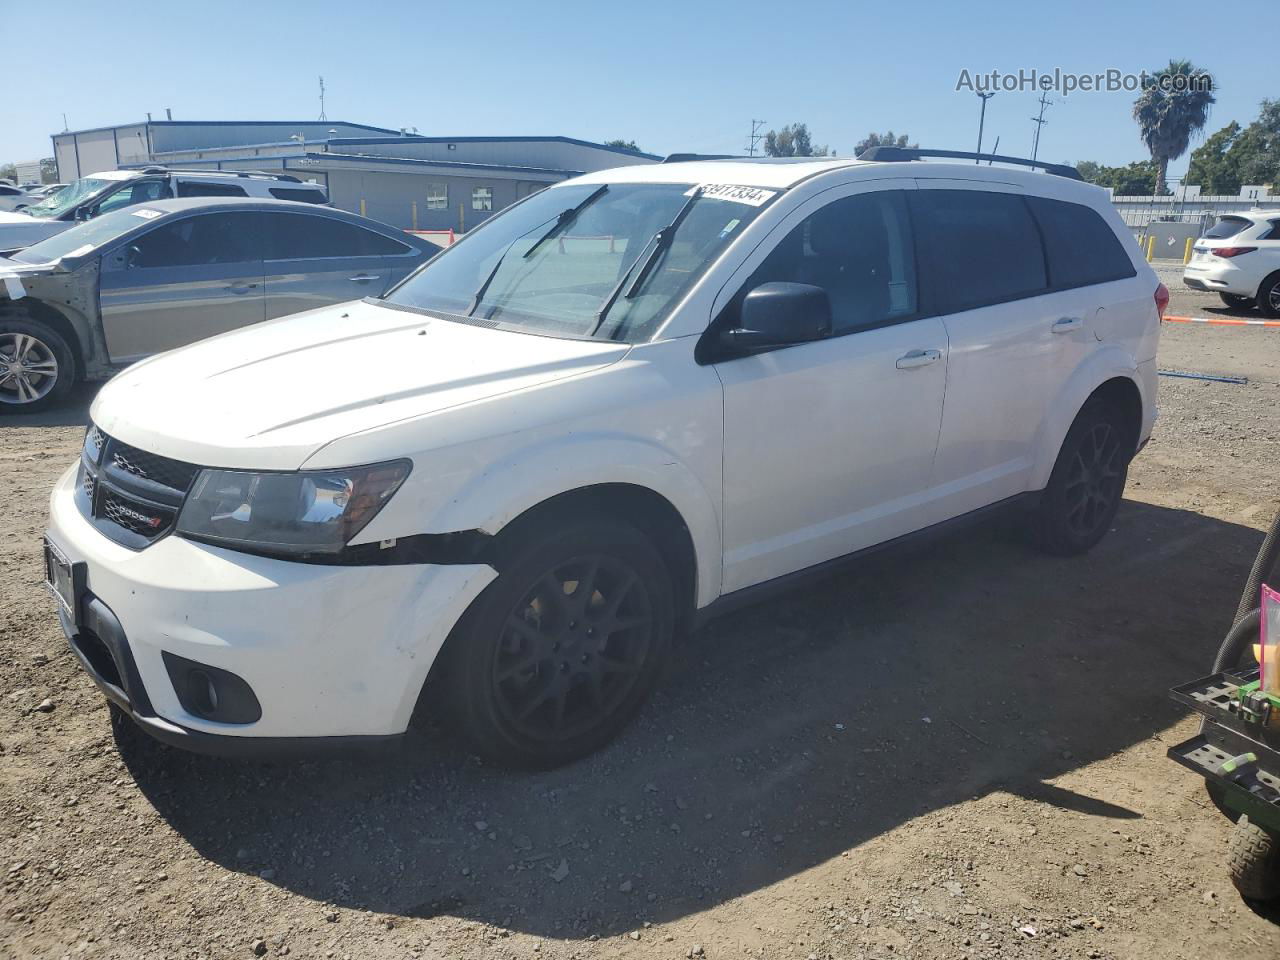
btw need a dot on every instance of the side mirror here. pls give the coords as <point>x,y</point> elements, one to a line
<point>779,314</point>
<point>82,214</point>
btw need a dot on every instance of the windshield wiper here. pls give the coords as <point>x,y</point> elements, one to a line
<point>658,243</point>
<point>565,219</point>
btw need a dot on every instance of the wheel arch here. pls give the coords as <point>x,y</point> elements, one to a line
<point>1111,376</point>
<point>37,311</point>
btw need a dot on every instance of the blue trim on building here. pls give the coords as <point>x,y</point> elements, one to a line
<point>570,140</point>
<point>462,165</point>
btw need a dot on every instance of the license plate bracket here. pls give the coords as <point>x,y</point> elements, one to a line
<point>65,580</point>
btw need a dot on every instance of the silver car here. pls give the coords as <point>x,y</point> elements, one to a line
<point>160,275</point>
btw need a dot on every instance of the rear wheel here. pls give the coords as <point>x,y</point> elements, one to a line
<point>1084,490</point>
<point>1269,296</point>
<point>1253,861</point>
<point>561,650</point>
<point>1237,302</point>
<point>36,366</point>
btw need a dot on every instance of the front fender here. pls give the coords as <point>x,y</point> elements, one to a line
<point>1107,363</point>
<point>532,475</point>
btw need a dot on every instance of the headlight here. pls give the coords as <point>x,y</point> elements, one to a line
<point>288,513</point>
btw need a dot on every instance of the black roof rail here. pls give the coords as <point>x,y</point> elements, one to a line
<point>288,178</point>
<point>891,154</point>
<point>686,157</point>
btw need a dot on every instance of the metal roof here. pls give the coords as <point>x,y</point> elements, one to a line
<point>414,138</point>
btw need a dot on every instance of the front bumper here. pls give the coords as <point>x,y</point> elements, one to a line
<point>333,653</point>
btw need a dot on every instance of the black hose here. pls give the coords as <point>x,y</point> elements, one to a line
<point>1262,571</point>
<point>1238,639</point>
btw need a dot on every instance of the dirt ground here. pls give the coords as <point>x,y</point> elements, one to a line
<point>953,753</point>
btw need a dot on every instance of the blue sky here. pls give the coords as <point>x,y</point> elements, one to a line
<point>673,76</point>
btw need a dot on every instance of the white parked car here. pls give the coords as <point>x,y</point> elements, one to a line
<point>1239,258</point>
<point>14,198</point>
<point>632,401</point>
<point>101,193</point>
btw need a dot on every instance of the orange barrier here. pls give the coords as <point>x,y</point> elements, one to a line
<point>1225,321</point>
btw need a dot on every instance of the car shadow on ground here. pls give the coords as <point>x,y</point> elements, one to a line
<point>784,735</point>
<point>71,412</point>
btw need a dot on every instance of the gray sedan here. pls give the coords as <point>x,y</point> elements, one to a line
<point>160,275</point>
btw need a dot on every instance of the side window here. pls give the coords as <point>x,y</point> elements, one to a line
<point>1274,232</point>
<point>1081,248</point>
<point>301,194</point>
<point>195,188</point>
<point>300,237</point>
<point>140,191</point>
<point>859,250</point>
<point>199,240</point>
<point>9,191</point>
<point>977,247</point>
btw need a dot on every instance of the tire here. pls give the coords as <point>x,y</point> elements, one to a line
<point>531,680</point>
<point>1085,488</point>
<point>1237,302</point>
<point>1253,861</point>
<point>45,365</point>
<point>1269,296</point>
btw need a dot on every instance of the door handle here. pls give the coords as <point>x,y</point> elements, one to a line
<point>1067,324</point>
<point>242,287</point>
<point>363,278</point>
<point>918,358</point>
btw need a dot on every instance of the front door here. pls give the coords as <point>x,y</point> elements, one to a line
<point>185,280</point>
<point>829,446</point>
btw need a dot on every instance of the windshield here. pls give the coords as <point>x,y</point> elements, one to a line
<point>91,233</point>
<point>69,196</point>
<point>586,261</point>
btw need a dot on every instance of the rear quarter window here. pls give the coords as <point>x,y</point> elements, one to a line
<point>301,194</point>
<point>1080,247</point>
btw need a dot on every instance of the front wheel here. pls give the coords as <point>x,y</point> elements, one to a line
<point>562,649</point>
<point>1237,302</point>
<point>1084,490</point>
<point>36,366</point>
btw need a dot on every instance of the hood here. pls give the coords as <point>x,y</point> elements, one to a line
<point>17,230</point>
<point>269,396</point>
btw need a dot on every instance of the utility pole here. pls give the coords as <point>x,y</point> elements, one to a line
<point>756,136</point>
<point>1039,121</point>
<point>982,117</point>
<point>323,118</point>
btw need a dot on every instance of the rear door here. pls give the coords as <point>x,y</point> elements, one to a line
<point>1012,340</point>
<point>314,260</point>
<point>185,280</point>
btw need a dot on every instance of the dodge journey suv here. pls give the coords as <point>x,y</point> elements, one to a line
<point>628,402</point>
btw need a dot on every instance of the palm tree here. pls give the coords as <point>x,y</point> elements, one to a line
<point>1172,108</point>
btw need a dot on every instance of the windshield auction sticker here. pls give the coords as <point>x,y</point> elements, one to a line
<point>751,196</point>
<point>146,214</point>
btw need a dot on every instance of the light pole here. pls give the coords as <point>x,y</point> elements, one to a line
<point>982,117</point>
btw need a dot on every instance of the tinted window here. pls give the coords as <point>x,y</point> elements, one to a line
<point>9,191</point>
<point>977,247</point>
<point>210,190</point>
<point>1081,248</point>
<point>300,237</point>
<point>858,249</point>
<point>198,241</point>
<point>301,194</point>
<point>1227,227</point>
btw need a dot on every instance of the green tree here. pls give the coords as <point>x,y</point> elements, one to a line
<point>1135,180</point>
<point>1259,147</point>
<point>623,145</point>
<point>1215,164</point>
<point>9,171</point>
<point>882,140</point>
<point>1172,108</point>
<point>792,141</point>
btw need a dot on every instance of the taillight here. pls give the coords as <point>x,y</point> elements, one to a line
<point>1230,251</point>
<point>1162,299</point>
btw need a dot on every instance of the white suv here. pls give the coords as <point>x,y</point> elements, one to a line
<point>101,193</point>
<point>627,403</point>
<point>1239,258</point>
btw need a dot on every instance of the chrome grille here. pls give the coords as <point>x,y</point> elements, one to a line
<point>93,443</point>
<point>141,518</point>
<point>148,466</point>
